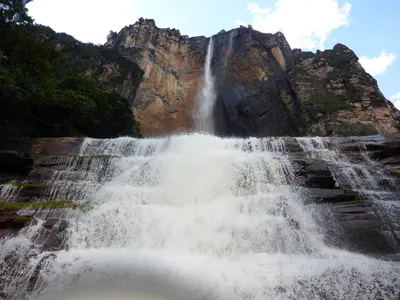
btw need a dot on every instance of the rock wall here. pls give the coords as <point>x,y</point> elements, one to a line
<point>264,88</point>
<point>338,97</point>
<point>114,71</point>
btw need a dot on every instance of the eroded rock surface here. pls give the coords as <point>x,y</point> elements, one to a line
<point>264,88</point>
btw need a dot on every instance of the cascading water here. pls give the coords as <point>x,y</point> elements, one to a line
<point>370,181</point>
<point>230,45</point>
<point>206,99</point>
<point>192,217</point>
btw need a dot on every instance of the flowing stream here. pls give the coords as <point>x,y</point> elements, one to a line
<point>192,217</point>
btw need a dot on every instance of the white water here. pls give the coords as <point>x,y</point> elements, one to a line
<point>206,99</point>
<point>196,217</point>
<point>366,178</point>
<point>230,45</point>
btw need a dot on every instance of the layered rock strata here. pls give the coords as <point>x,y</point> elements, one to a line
<point>264,88</point>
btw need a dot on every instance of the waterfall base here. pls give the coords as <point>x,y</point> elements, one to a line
<point>192,217</point>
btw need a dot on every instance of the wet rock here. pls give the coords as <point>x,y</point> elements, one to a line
<point>9,220</point>
<point>50,223</point>
<point>316,195</point>
<point>366,237</point>
<point>317,167</point>
<point>53,235</point>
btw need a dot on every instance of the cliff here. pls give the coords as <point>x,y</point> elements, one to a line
<point>264,88</point>
<point>52,85</point>
<point>114,71</point>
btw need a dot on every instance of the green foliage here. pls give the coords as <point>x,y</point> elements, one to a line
<point>43,95</point>
<point>14,11</point>
<point>93,59</point>
<point>328,104</point>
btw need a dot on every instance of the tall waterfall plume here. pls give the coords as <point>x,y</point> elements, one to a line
<point>204,121</point>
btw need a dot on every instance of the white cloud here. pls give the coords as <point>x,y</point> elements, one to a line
<point>255,9</point>
<point>396,100</point>
<point>238,22</point>
<point>88,20</point>
<point>305,23</point>
<point>377,65</point>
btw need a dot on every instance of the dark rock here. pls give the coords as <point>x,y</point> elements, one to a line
<point>316,195</point>
<point>53,236</point>
<point>317,167</point>
<point>322,182</point>
<point>50,223</point>
<point>52,242</point>
<point>15,162</point>
<point>9,220</point>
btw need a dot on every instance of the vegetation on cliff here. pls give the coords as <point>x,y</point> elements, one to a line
<point>45,93</point>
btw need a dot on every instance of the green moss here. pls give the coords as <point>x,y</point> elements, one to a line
<point>329,144</point>
<point>327,104</point>
<point>23,218</point>
<point>394,172</point>
<point>46,204</point>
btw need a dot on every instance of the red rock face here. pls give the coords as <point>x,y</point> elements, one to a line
<point>172,75</point>
<point>264,88</point>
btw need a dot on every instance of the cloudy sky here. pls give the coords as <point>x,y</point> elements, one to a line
<point>369,27</point>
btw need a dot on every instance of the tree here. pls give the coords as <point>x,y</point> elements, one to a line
<point>14,11</point>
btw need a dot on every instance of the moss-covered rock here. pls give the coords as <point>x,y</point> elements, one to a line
<point>15,206</point>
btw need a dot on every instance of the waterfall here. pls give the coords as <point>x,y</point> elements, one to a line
<point>207,97</point>
<point>371,182</point>
<point>191,217</point>
<point>230,45</point>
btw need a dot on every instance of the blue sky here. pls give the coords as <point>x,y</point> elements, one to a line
<point>369,27</point>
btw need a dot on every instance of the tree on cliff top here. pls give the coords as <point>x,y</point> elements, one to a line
<point>14,11</point>
<point>43,95</point>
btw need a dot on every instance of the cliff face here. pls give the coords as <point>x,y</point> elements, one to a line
<point>264,88</point>
<point>114,71</point>
<point>338,97</point>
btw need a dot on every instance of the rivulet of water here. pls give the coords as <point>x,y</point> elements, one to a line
<point>230,46</point>
<point>194,217</point>
<point>204,120</point>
